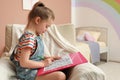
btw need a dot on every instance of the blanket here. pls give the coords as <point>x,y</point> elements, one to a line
<point>95,51</point>
<point>55,44</point>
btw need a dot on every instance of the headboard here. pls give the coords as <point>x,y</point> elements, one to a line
<point>104,32</point>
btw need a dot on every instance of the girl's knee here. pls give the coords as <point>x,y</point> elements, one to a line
<point>60,75</point>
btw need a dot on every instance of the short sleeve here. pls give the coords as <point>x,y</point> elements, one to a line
<point>27,40</point>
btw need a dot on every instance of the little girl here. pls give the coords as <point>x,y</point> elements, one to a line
<point>28,54</point>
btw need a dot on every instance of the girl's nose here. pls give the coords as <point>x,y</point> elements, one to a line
<point>45,30</point>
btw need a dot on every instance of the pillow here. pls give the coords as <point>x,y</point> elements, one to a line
<point>94,34</point>
<point>66,61</point>
<point>89,37</point>
<point>81,37</point>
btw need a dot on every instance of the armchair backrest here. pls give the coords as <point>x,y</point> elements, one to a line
<point>66,30</point>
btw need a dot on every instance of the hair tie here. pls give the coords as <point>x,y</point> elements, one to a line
<point>41,5</point>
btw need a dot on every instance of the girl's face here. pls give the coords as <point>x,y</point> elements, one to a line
<point>42,26</point>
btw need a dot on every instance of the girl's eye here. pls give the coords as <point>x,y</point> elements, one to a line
<point>47,26</point>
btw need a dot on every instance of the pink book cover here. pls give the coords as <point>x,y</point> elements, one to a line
<point>66,61</point>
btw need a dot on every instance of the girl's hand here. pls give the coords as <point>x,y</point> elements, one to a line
<point>53,58</point>
<point>56,57</point>
<point>47,61</point>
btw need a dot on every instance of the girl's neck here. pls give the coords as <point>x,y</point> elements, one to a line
<point>31,27</point>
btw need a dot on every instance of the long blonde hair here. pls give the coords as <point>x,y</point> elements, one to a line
<point>39,10</point>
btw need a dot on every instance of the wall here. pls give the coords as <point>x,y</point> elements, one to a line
<point>87,14</point>
<point>11,12</point>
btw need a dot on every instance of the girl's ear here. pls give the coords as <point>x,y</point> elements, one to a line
<point>37,20</point>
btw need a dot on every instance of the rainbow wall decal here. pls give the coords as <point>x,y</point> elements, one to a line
<point>114,3</point>
<point>107,8</point>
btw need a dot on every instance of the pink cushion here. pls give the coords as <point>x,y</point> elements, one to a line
<point>88,37</point>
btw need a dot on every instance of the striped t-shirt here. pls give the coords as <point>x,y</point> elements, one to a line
<point>27,40</point>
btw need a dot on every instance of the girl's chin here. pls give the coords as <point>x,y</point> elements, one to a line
<point>40,33</point>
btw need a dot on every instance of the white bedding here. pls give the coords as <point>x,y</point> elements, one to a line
<point>84,49</point>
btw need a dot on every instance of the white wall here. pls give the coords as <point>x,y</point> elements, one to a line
<point>83,16</point>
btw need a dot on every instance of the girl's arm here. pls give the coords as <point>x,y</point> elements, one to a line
<point>53,57</point>
<point>27,63</point>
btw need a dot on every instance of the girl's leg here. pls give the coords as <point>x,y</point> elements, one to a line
<point>58,75</point>
<point>67,72</point>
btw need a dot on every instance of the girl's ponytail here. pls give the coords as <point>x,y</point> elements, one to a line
<point>39,9</point>
<point>38,4</point>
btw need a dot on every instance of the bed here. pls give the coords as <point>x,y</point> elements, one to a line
<point>85,71</point>
<point>100,34</point>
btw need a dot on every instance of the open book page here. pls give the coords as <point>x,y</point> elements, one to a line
<point>65,60</point>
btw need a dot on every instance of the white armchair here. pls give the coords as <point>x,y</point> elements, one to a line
<point>86,71</point>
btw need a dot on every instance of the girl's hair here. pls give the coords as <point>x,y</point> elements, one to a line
<point>40,10</point>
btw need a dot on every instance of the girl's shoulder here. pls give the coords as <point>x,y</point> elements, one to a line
<point>27,35</point>
<point>26,40</point>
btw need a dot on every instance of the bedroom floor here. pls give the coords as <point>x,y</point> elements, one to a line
<point>111,69</point>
